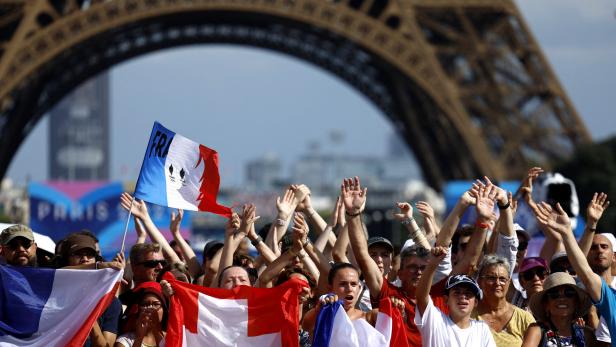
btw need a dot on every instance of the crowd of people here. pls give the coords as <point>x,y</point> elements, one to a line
<point>455,285</point>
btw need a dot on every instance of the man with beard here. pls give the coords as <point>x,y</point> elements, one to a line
<point>18,246</point>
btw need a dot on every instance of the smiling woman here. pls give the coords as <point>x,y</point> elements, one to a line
<point>558,309</point>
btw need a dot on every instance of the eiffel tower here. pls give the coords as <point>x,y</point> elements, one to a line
<point>464,82</point>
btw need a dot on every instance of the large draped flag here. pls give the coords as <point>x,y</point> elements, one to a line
<point>244,316</point>
<point>48,307</point>
<point>333,328</point>
<point>179,173</point>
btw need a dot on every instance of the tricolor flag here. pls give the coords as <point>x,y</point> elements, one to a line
<point>334,328</point>
<point>179,173</point>
<point>244,316</point>
<point>47,307</point>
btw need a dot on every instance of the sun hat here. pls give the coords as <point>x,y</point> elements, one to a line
<point>557,279</point>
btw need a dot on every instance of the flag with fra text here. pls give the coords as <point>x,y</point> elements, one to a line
<point>179,173</point>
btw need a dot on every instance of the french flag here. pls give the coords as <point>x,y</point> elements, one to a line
<point>333,328</point>
<point>243,316</point>
<point>179,173</point>
<point>47,307</point>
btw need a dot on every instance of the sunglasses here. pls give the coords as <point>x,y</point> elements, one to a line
<point>15,244</point>
<point>530,274</point>
<point>565,293</point>
<point>153,263</point>
<point>154,304</point>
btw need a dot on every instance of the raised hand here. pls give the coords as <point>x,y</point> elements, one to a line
<point>596,207</point>
<point>248,218</point>
<point>485,202</point>
<point>176,220</point>
<point>286,204</point>
<point>501,194</point>
<point>406,211</point>
<point>139,209</point>
<point>556,221</point>
<point>526,187</point>
<point>303,192</point>
<point>232,226</point>
<point>353,196</point>
<point>467,198</point>
<point>335,217</point>
<point>300,232</point>
<point>439,253</point>
<point>425,210</point>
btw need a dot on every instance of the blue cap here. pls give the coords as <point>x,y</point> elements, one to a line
<point>457,280</point>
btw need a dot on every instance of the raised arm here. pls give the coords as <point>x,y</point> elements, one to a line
<point>430,224</point>
<point>422,293</point>
<point>189,255</point>
<point>285,207</point>
<point>594,211</point>
<point>484,197</point>
<point>339,252</point>
<point>300,241</point>
<point>526,187</point>
<point>233,238</point>
<point>451,223</point>
<point>266,253</point>
<point>354,198</point>
<point>559,222</point>
<point>140,210</point>
<point>405,216</point>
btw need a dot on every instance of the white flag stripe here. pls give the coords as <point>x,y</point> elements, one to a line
<point>182,192</point>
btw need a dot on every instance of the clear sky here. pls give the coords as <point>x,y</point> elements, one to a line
<point>247,102</point>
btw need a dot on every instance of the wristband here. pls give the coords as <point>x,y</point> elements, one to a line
<point>505,206</point>
<point>594,230</point>
<point>408,221</point>
<point>280,222</point>
<point>256,241</point>
<point>352,214</point>
<point>482,225</point>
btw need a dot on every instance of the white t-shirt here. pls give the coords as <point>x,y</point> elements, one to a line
<point>438,330</point>
<point>602,333</point>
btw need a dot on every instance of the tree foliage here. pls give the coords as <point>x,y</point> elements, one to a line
<point>593,169</point>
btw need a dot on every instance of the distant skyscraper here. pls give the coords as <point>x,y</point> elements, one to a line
<point>79,133</point>
<point>263,173</point>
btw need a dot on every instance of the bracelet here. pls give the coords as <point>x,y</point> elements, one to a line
<point>505,206</point>
<point>408,221</point>
<point>280,222</point>
<point>256,241</point>
<point>352,214</point>
<point>482,225</point>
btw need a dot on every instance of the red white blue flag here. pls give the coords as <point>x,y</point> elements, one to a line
<point>244,316</point>
<point>48,307</point>
<point>179,173</point>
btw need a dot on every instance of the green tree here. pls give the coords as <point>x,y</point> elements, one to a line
<point>593,169</point>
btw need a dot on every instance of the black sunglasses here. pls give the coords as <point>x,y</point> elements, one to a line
<point>15,244</point>
<point>556,293</point>
<point>153,263</point>
<point>530,274</point>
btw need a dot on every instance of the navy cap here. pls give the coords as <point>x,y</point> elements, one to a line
<point>457,280</point>
<point>379,240</point>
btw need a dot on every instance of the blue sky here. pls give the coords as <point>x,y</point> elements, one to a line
<point>248,102</point>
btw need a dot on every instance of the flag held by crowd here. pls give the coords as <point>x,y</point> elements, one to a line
<point>244,316</point>
<point>179,173</point>
<point>47,307</point>
<point>334,328</point>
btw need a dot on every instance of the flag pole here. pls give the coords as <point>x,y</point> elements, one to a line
<point>130,209</point>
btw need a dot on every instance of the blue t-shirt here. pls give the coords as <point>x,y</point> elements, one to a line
<point>607,308</point>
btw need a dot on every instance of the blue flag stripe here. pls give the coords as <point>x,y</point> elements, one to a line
<point>151,185</point>
<point>324,325</point>
<point>23,294</point>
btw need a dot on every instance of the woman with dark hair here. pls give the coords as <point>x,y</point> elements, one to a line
<point>145,319</point>
<point>557,309</point>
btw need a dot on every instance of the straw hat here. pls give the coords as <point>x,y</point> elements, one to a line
<point>557,279</point>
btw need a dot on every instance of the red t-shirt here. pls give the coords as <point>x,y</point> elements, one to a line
<point>437,292</point>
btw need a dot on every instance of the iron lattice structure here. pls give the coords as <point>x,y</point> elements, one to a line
<point>463,81</point>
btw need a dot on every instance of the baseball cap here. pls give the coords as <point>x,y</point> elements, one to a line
<point>379,240</point>
<point>533,262</point>
<point>520,231</point>
<point>457,280</point>
<point>17,230</point>
<point>611,238</point>
<point>77,242</point>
